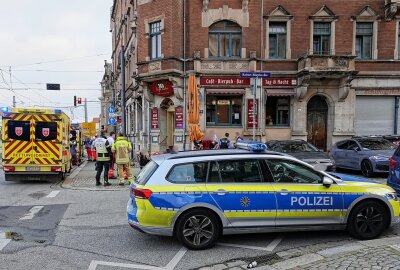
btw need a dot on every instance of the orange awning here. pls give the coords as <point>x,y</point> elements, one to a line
<point>195,132</point>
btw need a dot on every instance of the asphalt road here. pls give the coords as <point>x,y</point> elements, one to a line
<point>58,228</point>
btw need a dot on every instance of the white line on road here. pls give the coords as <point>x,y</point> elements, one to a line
<point>276,242</point>
<point>53,194</point>
<point>170,266</point>
<point>32,212</point>
<point>3,241</point>
<point>77,170</point>
<point>271,246</point>
<point>176,259</point>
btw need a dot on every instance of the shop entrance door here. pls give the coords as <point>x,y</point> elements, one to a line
<point>317,116</point>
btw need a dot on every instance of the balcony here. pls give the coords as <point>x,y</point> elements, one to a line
<point>391,9</point>
<point>337,65</point>
<point>223,65</point>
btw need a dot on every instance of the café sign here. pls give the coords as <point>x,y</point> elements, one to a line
<point>224,81</point>
<point>279,82</point>
<point>162,88</point>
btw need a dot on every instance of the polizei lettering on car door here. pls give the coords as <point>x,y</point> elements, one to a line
<point>311,201</point>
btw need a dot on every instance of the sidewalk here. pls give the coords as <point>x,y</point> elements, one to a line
<point>83,178</point>
<point>383,253</point>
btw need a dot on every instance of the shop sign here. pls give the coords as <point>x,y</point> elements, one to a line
<point>162,88</point>
<point>382,92</point>
<point>223,102</point>
<point>279,82</point>
<point>154,118</point>
<point>250,109</point>
<point>224,81</point>
<point>179,117</point>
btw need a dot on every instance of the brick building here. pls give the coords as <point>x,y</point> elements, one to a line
<point>335,67</point>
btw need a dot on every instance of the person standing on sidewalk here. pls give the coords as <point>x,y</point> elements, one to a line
<point>102,147</point>
<point>122,149</point>
<point>111,141</point>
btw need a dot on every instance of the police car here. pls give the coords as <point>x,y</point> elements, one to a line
<point>199,195</point>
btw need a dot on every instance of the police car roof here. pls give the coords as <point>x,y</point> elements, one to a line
<point>203,153</point>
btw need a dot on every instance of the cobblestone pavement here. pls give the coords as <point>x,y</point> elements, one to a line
<point>83,177</point>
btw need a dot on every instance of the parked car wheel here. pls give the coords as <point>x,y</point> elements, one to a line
<point>198,229</point>
<point>367,220</point>
<point>367,169</point>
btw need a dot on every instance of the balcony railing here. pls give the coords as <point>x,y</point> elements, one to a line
<point>326,62</point>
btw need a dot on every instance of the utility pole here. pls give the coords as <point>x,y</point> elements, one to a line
<point>11,87</point>
<point>123,113</point>
<point>86,115</point>
<point>254,108</point>
<point>14,102</point>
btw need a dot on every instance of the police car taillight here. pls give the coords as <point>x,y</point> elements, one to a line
<point>141,193</point>
<point>252,146</point>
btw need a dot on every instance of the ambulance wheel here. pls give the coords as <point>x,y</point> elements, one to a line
<point>367,220</point>
<point>198,229</point>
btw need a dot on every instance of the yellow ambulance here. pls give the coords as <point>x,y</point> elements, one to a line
<point>35,144</point>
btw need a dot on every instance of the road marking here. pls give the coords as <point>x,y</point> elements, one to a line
<point>32,212</point>
<point>53,194</point>
<point>176,259</point>
<point>77,170</point>
<point>170,266</point>
<point>3,241</point>
<point>271,246</point>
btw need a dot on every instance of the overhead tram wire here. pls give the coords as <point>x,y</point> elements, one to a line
<point>60,71</point>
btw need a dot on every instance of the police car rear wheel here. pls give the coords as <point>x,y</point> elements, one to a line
<point>367,220</point>
<point>198,229</point>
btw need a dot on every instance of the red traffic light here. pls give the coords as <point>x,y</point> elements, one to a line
<point>119,119</point>
<point>79,100</point>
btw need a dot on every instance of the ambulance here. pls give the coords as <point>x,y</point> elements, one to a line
<point>35,144</point>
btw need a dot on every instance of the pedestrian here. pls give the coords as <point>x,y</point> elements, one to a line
<point>224,142</point>
<point>111,140</point>
<point>144,158</point>
<point>102,147</point>
<point>121,150</point>
<point>237,139</point>
<point>214,140</point>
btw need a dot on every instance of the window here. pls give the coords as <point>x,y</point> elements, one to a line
<point>286,171</point>
<point>188,173</point>
<point>224,110</point>
<point>277,111</point>
<point>352,145</point>
<point>274,147</point>
<point>146,173</point>
<point>364,33</point>
<point>19,130</point>
<point>342,145</point>
<point>322,38</point>
<point>155,40</point>
<point>398,41</point>
<point>235,171</point>
<point>225,39</point>
<point>46,131</point>
<point>277,40</point>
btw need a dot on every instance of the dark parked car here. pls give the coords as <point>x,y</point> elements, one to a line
<point>304,151</point>
<point>393,139</point>
<point>369,155</point>
<point>394,171</point>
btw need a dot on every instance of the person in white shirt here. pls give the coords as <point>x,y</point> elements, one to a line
<point>111,141</point>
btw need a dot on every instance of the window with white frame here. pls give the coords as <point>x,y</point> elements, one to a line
<point>155,40</point>
<point>277,40</point>
<point>322,38</point>
<point>364,39</point>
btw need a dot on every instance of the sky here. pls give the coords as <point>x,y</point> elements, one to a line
<point>48,41</point>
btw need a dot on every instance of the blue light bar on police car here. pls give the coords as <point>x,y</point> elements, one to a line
<point>253,146</point>
<point>4,109</point>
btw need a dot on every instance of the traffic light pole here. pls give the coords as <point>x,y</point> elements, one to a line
<point>86,114</point>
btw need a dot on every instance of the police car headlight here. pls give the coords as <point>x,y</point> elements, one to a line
<point>379,158</point>
<point>392,196</point>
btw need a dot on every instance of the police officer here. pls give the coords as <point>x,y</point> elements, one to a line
<point>121,149</point>
<point>103,148</point>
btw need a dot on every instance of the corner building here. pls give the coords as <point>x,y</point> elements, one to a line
<point>335,69</point>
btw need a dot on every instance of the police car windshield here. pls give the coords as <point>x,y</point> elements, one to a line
<point>298,147</point>
<point>146,172</point>
<point>377,144</point>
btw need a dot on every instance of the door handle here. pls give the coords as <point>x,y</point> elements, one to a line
<point>284,192</point>
<point>222,192</point>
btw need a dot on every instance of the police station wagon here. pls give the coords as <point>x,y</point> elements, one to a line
<point>199,195</point>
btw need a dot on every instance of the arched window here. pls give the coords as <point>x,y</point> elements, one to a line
<point>225,39</point>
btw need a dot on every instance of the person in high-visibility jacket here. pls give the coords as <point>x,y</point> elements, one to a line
<point>103,148</point>
<point>122,149</point>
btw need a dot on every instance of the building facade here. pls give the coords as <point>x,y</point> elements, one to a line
<point>334,68</point>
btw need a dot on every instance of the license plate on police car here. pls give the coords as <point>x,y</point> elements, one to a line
<point>33,169</point>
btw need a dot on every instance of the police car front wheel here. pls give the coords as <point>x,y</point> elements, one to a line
<point>198,229</point>
<point>367,220</point>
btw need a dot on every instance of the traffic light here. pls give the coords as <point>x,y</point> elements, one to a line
<point>119,119</point>
<point>75,101</point>
<point>79,100</point>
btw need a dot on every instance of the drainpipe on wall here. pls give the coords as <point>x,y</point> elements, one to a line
<point>184,76</point>
<point>396,114</point>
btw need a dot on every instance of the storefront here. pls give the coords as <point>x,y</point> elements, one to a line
<point>376,112</point>
<point>279,94</point>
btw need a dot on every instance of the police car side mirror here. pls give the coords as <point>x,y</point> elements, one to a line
<point>327,182</point>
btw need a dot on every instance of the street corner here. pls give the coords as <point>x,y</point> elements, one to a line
<point>83,178</point>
